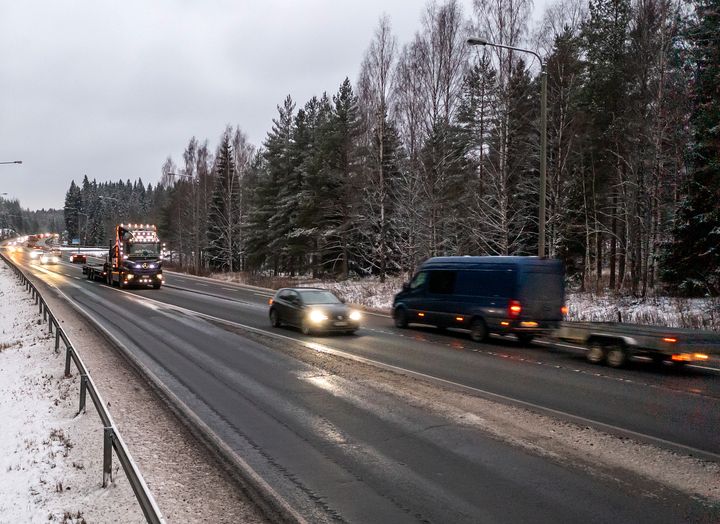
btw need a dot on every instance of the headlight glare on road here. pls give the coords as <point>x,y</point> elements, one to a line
<point>317,316</point>
<point>355,315</point>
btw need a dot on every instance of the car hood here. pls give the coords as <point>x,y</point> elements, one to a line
<point>331,309</point>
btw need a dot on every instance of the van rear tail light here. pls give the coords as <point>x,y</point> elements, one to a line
<point>564,310</point>
<point>514,309</point>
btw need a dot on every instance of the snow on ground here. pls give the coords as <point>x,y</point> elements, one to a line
<point>50,459</point>
<point>700,313</point>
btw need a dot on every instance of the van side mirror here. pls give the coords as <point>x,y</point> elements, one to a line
<point>406,286</point>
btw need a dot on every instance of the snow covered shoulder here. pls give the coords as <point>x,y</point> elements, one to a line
<point>50,457</point>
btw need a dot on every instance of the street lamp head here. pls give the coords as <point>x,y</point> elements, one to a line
<point>476,41</point>
<point>12,162</point>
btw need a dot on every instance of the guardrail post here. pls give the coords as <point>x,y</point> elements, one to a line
<point>68,358</point>
<point>107,455</point>
<point>57,340</point>
<point>51,323</point>
<point>83,393</point>
<point>44,311</point>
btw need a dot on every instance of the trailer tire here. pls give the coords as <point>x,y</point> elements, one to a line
<point>616,356</point>
<point>596,353</point>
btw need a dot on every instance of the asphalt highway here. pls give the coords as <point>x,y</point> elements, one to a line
<point>335,451</point>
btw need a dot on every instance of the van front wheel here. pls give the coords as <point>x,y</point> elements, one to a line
<point>401,318</point>
<point>478,330</point>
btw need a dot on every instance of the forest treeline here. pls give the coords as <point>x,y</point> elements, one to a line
<point>434,150</point>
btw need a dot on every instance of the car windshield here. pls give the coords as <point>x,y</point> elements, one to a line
<point>319,297</point>
<point>144,249</point>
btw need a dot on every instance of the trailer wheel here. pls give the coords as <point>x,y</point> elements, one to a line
<point>596,353</point>
<point>616,356</point>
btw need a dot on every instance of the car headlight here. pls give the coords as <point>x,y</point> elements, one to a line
<point>317,316</point>
<point>355,315</point>
<point>152,266</point>
<point>130,277</point>
<point>43,260</point>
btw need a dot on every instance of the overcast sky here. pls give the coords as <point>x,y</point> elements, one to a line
<point>110,89</point>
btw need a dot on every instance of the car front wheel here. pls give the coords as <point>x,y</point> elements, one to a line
<point>401,318</point>
<point>274,318</point>
<point>305,328</point>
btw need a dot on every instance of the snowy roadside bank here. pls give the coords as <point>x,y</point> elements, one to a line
<point>50,457</point>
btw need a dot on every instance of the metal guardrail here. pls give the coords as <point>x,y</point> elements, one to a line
<point>111,436</point>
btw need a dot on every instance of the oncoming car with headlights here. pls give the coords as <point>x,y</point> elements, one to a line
<point>313,310</point>
<point>50,257</point>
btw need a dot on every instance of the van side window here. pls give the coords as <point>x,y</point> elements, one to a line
<point>419,280</point>
<point>442,282</point>
<point>486,283</point>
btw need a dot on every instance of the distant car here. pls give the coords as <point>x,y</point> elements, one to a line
<point>50,257</point>
<point>78,258</point>
<point>313,311</point>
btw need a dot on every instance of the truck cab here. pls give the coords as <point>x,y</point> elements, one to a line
<point>135,259</point>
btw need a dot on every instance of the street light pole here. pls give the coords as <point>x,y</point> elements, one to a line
<point>12,162</point>
<point>543,134</point>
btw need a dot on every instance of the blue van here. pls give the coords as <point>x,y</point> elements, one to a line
<point>524,296</point>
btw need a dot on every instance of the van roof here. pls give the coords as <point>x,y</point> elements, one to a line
<point>475,261</point>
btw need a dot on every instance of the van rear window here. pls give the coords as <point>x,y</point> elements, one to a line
<point>546,285</point>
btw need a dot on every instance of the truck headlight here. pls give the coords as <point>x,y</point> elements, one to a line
<point>129,277</point>
<point>316,316</point>
<point>355,315</point>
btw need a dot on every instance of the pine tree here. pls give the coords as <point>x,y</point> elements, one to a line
<point>73,205</point>
<point>223,223</point>
<point>692,260</point>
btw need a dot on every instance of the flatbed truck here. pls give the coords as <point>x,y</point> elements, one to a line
<point>612,343</point>
<point>134,260</point>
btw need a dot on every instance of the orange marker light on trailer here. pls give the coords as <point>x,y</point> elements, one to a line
<point>421,314</point>
<point>459,319</point>
<point>270,302</point>
<point>672,340</point>
<point>564,310</point>
<point>700,356</point>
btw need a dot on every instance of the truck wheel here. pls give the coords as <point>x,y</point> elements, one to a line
<point>478,330</point>
<point>616,356</point>
<point>596,353</point>
<point>400,318</point>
